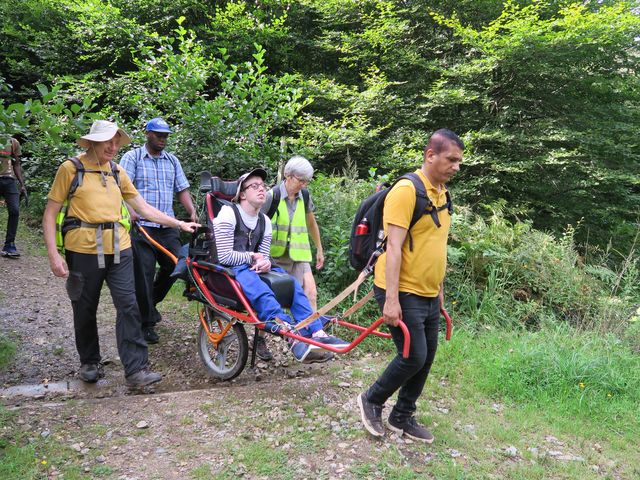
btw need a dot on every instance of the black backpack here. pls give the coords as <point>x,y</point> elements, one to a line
<point>275,201</point>
<point>367,240</point>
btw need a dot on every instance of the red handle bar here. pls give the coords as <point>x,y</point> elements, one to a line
<point>447,318</point>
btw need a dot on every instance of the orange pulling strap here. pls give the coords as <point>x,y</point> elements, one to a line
<point>141,229</point>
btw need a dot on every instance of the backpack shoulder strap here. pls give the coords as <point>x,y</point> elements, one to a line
<point>275,201</point>
<point>305,199</point>
<point>261,227</point>
<point>115,172</point>
<point>77,179</point>
<point>422,200</point>
<point>14,149</point>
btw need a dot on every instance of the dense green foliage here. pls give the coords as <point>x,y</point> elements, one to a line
<point>545,93</point>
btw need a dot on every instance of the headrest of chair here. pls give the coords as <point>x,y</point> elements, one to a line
<point>205,182</point>
<point>225,189</point>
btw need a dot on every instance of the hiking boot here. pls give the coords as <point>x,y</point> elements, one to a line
<point>89,372</point>
<point>142,378</point>
<point>262,350</point>
<point>371,415</point>
<point>150,335</point>
<point>9,250</point>
<point>301,350</point>
<point>318,356</point>
<point>410,428</point>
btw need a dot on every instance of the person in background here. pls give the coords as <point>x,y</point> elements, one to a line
<point>10,172</point>
<point>294,224</point>
<point>409,286</point>
<point>157,175</point>
<point>98,248</point>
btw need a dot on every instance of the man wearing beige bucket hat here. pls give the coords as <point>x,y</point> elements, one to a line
<point>85,218</point>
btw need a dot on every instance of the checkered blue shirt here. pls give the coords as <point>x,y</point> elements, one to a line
<point>157,179</point>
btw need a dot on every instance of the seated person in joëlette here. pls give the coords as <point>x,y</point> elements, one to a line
<point>246,251</point>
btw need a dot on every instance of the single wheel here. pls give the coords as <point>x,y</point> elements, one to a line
<point>226,359</point>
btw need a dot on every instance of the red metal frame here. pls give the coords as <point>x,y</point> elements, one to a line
<point>250,316</point>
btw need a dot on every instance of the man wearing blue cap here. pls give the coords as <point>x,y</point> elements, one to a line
<point>157,174</point>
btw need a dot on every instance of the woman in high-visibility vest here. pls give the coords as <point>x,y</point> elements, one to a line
<point>293,223</point>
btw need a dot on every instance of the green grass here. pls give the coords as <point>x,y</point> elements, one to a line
<point>7,351</point>
<point>256,458</point>
<point>23,458</point>
<point>575,378</point>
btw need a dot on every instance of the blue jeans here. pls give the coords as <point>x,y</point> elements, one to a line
<point>264,302</point>
<point>421,315</point>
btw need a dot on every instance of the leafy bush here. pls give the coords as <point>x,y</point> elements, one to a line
<point>505,273</point>
<point>336,200</point>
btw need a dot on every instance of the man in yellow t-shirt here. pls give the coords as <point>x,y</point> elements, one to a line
<point>408,286</point>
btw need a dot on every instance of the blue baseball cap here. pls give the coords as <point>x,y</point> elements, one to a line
<point>157,125</point>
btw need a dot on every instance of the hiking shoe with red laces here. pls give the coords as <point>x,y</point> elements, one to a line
<point>412,429</point>
<point>371,415</point>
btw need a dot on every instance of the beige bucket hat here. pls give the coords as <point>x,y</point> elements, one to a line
<point>101,131</point>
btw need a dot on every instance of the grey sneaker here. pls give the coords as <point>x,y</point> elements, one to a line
<point>301,350</point>
<point>371,415</point>
<point>412,429</point>
<point>318,356</point>
<point>89,372</point>
<point>142,378</point>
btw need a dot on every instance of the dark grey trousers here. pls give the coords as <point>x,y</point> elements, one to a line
<point>152,286</point>
<point>84,285</point>
<point>9,190</point>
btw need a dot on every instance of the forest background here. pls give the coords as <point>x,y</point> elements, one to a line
<point>544,273</point>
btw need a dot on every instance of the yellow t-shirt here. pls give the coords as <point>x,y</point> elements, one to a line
<point>93,202</point>
<point>422,269</point>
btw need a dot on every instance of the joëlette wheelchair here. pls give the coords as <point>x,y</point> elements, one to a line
<point>222,339</point>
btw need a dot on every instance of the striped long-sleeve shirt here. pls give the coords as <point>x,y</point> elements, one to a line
<point>224,226</point>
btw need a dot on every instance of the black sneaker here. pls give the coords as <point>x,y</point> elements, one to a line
<point>142,378</point>
<point>150,335</point>
<point>371,415</point>
<point>89,372</point>
<point>412,429</point>
<point>262,350</point>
